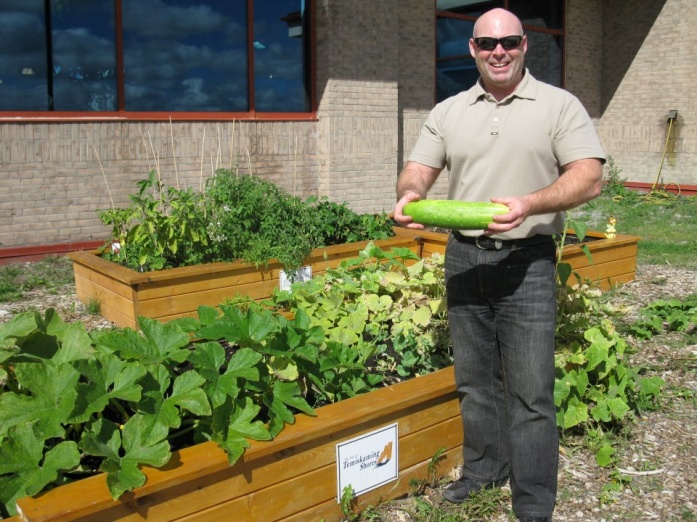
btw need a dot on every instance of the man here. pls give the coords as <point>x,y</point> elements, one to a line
<point>513,140</point>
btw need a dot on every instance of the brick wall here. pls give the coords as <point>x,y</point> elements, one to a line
<point>358,45</point>
<point>583,73</point>
<point>649,68</point>
<point>417,43</point>
<point>54,178</point>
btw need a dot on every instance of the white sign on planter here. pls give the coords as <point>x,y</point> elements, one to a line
<point>368,461</point>
<point>301,275</point>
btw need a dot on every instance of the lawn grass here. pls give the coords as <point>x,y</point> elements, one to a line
<point>53,273</point>
<point>666,224</point>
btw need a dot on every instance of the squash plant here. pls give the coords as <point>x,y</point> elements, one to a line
<point>73,403</point>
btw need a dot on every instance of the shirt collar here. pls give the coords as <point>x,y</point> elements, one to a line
<point>526,89</point>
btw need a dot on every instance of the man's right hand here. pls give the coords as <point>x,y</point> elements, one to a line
<point>401,219</point>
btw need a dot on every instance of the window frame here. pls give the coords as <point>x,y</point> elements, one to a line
<point>526,29</point>
<point>123,115</point>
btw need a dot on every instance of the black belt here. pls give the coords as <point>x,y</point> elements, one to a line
<point>490,243</point>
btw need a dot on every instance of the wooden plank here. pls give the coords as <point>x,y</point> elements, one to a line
<point>314,488</point>
<point>201,462</point>
<point>600,255</point>
<point>330,511</point>
<point>186,304</point>
<point>91,260</point>
<point>608,269</point>
<point>618,280</point>
<point>132,277</point>
<point>114,305</point>
<point>104,281</point>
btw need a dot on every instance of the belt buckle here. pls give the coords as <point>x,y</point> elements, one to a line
<point>497,243</point>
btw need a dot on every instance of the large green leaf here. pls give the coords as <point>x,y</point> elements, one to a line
<point>576,413</point>
<point>242,426</point>
<point>19,326</point>
<point>50,398</point>
<point>166,411</point>
<point>106,377</point>
<point>244,329</point>
<point>599,349</point>
<point>125,448</point>
<point>25,470</point>
<point>156,343</point>
<point>208,359</point>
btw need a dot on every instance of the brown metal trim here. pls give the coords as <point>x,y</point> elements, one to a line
<point>250,53</point>
<point>37,252</point>
<point>314,102</point>
<point>53,117</point>
<point>120,65</point>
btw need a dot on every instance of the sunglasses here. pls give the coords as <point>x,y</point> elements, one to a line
<point>487,43</point>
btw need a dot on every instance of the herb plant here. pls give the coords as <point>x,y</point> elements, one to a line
<point>235,217</point>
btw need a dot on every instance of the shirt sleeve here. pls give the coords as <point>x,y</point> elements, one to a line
<point>576,136</point>
<point>430,147</point>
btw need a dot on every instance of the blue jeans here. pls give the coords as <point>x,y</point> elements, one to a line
<point>502,313</point>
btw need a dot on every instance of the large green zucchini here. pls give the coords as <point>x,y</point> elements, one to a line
<point>448,213</point>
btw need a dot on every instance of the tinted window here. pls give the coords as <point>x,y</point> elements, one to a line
<point>540,13</point>
<point>280,66</point>
<point>181,55</point>
<point>467,7</point>
<point>454,76</point>
<point>175,56</point>
<point>64,59</point>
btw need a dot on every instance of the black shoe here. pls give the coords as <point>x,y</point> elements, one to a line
<point>462,488</point>
<point>535,519</point>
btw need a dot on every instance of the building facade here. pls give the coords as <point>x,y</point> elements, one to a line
<point>375,81</point>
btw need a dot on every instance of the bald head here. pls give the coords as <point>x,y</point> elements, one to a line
<point>497,22</point>
<point>500,60</point>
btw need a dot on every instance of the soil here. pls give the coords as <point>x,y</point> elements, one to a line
<point>657,459</point>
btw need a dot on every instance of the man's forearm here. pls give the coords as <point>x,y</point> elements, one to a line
<point>416,178</point>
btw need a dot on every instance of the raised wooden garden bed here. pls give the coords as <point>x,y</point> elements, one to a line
<point>125,294</point>
<point>613,261</point>
<point>292,478</point>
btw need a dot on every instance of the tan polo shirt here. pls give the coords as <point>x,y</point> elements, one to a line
<point>507,148</point>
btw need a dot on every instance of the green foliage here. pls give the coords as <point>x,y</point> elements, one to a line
<point>614,182</point>
<point>334,223</point>
<point>347,504</point>
<point>671,315</point>
<point>564,270</point>
<point>162,228</point>
<point>235,217</point>
<point>72,404</point>
<point>377,310</point>
<point>596,385</point>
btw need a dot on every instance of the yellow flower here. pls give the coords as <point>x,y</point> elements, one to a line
<point>610,230</point>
